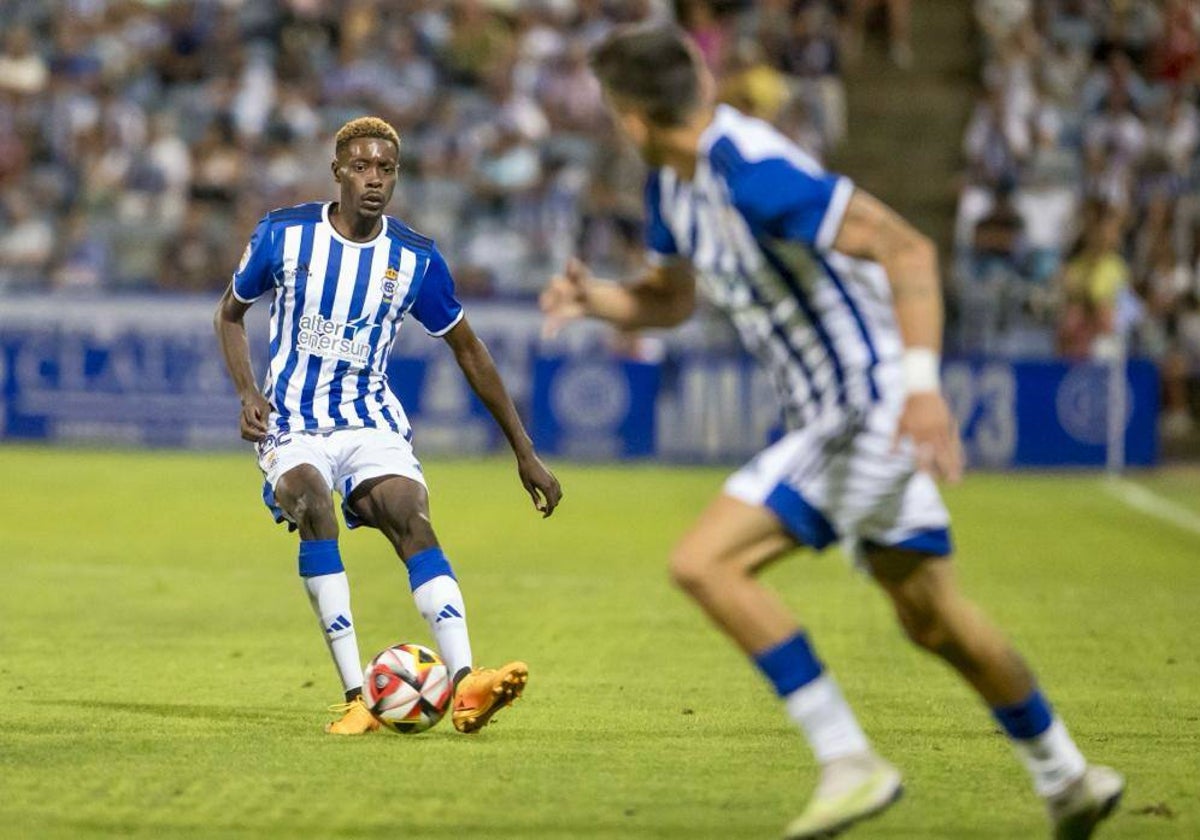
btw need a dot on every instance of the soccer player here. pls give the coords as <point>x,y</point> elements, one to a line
<point>838,299</point>
<point>343,277</point>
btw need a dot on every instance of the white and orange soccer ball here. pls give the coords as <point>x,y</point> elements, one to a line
<point>407,687</point>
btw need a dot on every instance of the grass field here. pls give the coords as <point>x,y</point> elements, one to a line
<point>161,674</point>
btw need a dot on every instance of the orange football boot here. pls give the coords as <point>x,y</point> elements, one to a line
<point>485,691</point>
<point>356,718</point>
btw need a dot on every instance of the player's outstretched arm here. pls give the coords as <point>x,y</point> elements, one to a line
<point>235,348</point>
<point>872,230</point>
<point>665,296</point>
<point>477,365</point>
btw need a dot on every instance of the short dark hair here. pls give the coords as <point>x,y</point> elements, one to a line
<point>653,67</point>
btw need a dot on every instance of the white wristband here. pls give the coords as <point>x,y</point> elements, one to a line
<point>921,370</point>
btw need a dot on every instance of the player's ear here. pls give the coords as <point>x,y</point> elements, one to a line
<point>337,174</point>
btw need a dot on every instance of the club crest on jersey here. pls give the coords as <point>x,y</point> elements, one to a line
<point>390,283</point>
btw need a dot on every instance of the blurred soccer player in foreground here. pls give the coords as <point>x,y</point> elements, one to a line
<point>839,300</point>
<point>342,278</point>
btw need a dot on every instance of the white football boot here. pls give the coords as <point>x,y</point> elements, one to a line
<point>851,789</point>
<point>1076,811</point>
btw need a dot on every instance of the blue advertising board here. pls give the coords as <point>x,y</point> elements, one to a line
<point>150,373</point>
<point>720,408</point>
<point>1050,413</point>
<point>594,408</point>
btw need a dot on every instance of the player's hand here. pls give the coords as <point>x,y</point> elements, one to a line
<point>926,421</point>
<point>540,484</point>
<point>255,412</point>
<point>565,297</point>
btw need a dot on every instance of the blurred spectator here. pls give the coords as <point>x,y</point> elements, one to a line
<point>1178,49</point>
<point>570,93</point>
<point>82,261</point>
<point>1175,134</point>
<point>22,70</point>
<point>711,33</point>
<point>1090,286</point>
<point>187,258</point>
<point>26,242</point>
<point>752,85</point>
<point>1163,292</point>
<point>1000,234</point>
<point>478,40</point>
<point>152,136</point>
<point>1091,111</point>
<point>809,58</point>
<point>899,13</point>
<point>997,141</point>
<point>219,164</point>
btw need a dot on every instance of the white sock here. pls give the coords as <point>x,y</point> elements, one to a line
<point>819,709</point>
<point>440,602</point>
<point>1052,759</point>
<point>330,599</point>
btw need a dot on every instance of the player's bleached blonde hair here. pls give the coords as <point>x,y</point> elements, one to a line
<point>365,127</point>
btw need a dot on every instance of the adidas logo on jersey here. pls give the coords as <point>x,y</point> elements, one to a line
<point>338,625</point>
<point>448,611</point>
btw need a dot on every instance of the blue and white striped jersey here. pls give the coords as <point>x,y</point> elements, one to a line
<point>336,309</point>
<point>758,220</point>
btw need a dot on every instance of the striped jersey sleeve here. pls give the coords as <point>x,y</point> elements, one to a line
<point>780,199</point>
<point>435,307</point>
<point>254,276</point>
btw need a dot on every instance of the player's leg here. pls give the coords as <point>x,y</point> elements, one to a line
<point>716,563</point>
<point>399,507</point>
<point>940,619</point>
<point>303,493</point>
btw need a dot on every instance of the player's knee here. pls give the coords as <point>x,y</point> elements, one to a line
<point>313,508</point>
<point>925,626</point>
<point>691,570</point>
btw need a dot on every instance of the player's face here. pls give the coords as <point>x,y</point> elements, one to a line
<point>366,171</point>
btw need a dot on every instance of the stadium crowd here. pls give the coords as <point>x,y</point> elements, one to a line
<point>1078,227</point>
<point>140,141</point>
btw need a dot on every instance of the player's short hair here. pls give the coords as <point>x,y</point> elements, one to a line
<point>652,67</point>
<point>365,127</point>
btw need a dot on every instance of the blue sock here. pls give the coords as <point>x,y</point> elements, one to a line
<point>319,557</point>
<point>1027,719</point>
<point>440,602</point>
<point>790,664</point>
<point>426,565</point>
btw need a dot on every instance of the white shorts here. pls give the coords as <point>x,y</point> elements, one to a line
<point>830,482</point>
<point>344,457</point>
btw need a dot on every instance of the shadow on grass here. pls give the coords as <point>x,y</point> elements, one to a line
<point>195,711</point>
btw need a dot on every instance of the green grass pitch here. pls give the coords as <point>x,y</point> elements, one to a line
<point>161,674</point>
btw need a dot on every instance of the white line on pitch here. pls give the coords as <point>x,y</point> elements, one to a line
<point>1150,503</point>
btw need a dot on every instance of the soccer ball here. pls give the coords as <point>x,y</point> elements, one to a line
<point>407,687</point>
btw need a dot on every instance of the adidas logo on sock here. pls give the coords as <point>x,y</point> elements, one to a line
<point>448,611</point>
<point>339,623</point>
